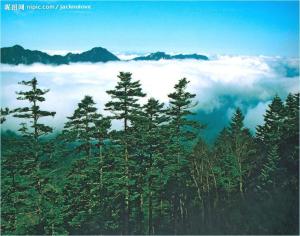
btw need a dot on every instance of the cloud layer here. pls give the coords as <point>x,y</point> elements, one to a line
<point>249,82</point>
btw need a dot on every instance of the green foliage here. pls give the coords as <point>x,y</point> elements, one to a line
<point>33,113</point>
<point>235,152</point>
<point>125,107</point>
<point>268,173</point>
<point>154,176</point>
<point>81,126</point>
<point>271,131</point>
<point>4,112</point>
<point>125,96</point>
<point>279,142</point>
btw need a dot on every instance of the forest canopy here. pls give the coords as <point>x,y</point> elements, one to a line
<point>156,175</point>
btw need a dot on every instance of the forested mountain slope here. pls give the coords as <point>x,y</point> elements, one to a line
<point>155,175</point>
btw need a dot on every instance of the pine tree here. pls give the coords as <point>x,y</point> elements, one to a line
<point>236,125</point>
<point>125,107</point>
<point>235,151</point>
<point>182,131</point>
<point>292,114</point>
<point>269,172</point>
<point>148,140</point>
<point>290,138</point>
<point>37,181</point>
<point>86,128</point>
<point>124,104</point>
<point>242,146</point>
<point>33,113</point>
<point>225,168</point>
<point>82,125</point>
<point>270,133</point>
<point>155,124</point>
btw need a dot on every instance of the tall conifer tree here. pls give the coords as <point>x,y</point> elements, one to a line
<point>32,116</point>
<point>183,130</point>
<point>81,126</point>
<point>124,106</point>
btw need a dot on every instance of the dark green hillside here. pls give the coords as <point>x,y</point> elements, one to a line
<point>97,54</point>
<point>18,55</point>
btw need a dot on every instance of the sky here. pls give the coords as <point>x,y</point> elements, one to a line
<point>232,28</point>
<point>252,47</point>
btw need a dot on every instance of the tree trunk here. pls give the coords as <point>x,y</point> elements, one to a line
<point>241,180</point>
<point>101,164</point>
<point>150,224</point>
<point>174,215</point>
<point>140,214</point>
<point>150,230</point>
<point>126,217</point>
<point>126,199</point>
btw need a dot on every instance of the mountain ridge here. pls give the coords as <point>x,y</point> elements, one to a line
<point>162,55</point>
<point>16,55</point>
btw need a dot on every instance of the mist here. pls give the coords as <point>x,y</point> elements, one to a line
<point>220,84</point>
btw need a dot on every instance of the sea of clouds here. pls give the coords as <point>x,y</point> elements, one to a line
<point>221,84</point>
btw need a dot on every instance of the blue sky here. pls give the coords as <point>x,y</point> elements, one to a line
<point>247,28</point>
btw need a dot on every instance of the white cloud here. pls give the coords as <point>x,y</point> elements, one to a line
<point>241,77</point>
<point>127,56</point>
<point>60,52</point>
<point>255,115</point>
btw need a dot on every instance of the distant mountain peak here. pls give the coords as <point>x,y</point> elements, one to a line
<point>162,55</point>
<point>98,49</point>
<point>16,55</point>
<point>17,46</point>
